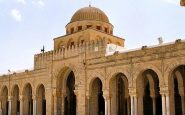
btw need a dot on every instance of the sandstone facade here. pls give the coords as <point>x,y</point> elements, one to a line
<point>77,78</point>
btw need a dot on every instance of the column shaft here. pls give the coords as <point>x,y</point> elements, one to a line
<point>135,105</point>
<point>132,105</point>
<point>163,104</point>
<point>167,105</point>
<point>9,107</point>
<point>109,106</point>
<point>106,113</point>
<point>21,107</point>
<point>34,107</point>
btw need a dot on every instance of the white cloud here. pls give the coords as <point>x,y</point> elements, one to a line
<point>22,1</point>
<point>16,15</point>
<point>39,3</point>
<point>175,2</point>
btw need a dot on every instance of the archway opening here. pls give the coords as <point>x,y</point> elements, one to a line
<point>70,99</point>
<point>5,101</point>
<point>177,84</point>
<point>149,93</point>
<point>147,100</point>
<point>178,104</point>
<point>97,102</point>
<point>15,101</point>
<point>120,104</point>
<point>41,101</point>
<point>28,101</point>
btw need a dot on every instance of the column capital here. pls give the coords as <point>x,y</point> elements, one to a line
<point>76,92</point>
<point>132,91</point>
<point>56,93</point>
<point>10,98</point>
<point>106,96</point>
<point>164,90</point>
<point>21,97</point>
<point>34,97</point>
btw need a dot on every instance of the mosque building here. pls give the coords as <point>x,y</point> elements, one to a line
<point>89,72</point>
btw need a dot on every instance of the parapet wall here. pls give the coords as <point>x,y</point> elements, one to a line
<point>92,49</point>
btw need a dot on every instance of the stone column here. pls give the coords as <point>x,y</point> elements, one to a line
<point>109,106</point>
<point>132,104</point>
<point>106,107</point>
<point>34,105</point>
<point>21,99</point>
<point>9,105</point>
<point>167,104</point>
<point>163,104</point>
<point>107,102</point>
<point>135,104</point>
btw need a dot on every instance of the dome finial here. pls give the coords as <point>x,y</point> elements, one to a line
<point>89,3</point>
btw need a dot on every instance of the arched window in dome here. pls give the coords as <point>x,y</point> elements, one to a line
<point>79,28</point>
<point>72,30</point>
<point>89,26</point>
<point>98,27</point>
<point>106,30</point>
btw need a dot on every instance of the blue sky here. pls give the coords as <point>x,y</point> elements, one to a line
<point>27,25</point>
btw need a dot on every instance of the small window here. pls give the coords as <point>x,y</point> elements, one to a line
<point>98,27</point>
<point>111,32</point>
<point>88,26</point>
<point>82,41</point>
<point>106,30</point>
<point>79,28</point>
<point>72,30</point>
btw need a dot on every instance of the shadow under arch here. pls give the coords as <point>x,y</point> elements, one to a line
<point>96,101</point>
<point>176,82</point>
<point>119,97</point>
<point>40,100</point>
<point>15,92</point>
<point>4,100</point>
<point>66,103</point>
<point>27,99</point>
<point>148,91</point>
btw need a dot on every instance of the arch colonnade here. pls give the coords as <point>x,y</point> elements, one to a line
<point>148,97</point>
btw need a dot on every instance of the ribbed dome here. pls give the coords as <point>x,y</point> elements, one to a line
<point>89,13</point>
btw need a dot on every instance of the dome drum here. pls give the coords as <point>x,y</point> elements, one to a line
<point>89,17</point>
<point>82,25</point>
